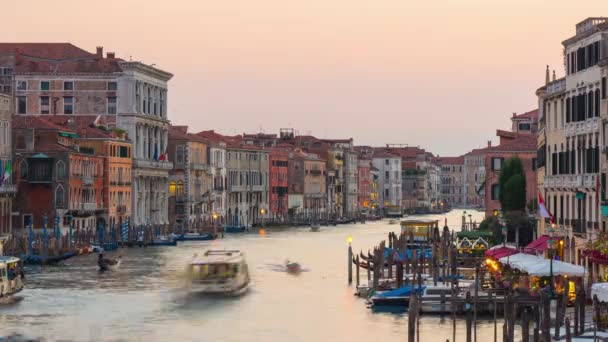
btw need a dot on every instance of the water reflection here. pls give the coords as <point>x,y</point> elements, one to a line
<point>145,298</point>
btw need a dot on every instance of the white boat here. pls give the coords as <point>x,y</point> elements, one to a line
<point>393,221</point>
<point>106,264</point>
<point>218,272</point>
<point>11,280</point>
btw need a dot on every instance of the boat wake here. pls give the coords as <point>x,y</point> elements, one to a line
<point>281,268</point>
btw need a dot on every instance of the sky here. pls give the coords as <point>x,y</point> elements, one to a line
<point>439,74</point>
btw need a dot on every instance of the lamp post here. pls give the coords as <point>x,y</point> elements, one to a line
<point>215,223</point>
<point>262,211</point>
<point>551,243</point>
<point>350,260</point>
<point>503,225</point>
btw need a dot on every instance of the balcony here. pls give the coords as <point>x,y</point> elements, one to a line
<point>590,181</point>
<point>563,181</point>
<point>579,227</point>
<point>557,86</point>
<point>86,180</point>
<point>152,164</point>
<point>89,206</point>
<point>121,209</point>
<point>8,189</point>
<point>199,167</point>
<point>588,126</point>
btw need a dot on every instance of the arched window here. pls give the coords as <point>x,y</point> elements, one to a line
<point>59,197</point>
<point>60,169</point>
<point>172,188</point>
<point>23,169</point>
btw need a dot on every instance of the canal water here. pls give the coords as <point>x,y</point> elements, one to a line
<point>145,300</point>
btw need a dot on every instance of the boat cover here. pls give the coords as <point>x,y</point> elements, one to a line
<point>601,291</point>
<point>404,291</point>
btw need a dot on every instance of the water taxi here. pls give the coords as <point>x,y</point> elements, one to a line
<point>11,278</point>
<point>218,272</point>
<point>422,230</point>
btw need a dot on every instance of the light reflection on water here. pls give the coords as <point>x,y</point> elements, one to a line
<point>145,299</point>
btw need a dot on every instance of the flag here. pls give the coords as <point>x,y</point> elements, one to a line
<point>543,210</point>
<point>163,156</point>
<point>7,172</point>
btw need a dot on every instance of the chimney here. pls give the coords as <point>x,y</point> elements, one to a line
<point>489,143</point>
<point>547,75</point>
<point>553,75</point>
<point>514,114</point>
<point>110,55</point>
<point>100,52</point>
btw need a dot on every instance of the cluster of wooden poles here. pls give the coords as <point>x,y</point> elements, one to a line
<point>516,306</point>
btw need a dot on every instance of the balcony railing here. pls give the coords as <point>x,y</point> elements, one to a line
<point>121,209</point>
<point>579,227</point>
<point>8,189</point>
<point>86,180</point>
<point>153,164</point>
<point>89,206</point>
<point>588,126</point>
<point>199,166</point>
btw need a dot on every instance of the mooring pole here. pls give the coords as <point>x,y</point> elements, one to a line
<point>350,264</point>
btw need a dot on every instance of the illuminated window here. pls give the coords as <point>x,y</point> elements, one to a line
<point>172,188</point>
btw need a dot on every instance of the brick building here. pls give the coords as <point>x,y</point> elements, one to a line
<point>56,176</point>
<point>279,182</point>
<point>364,177</point>
<point>307,176</point>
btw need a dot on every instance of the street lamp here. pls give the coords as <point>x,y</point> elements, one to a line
<point>551,243</point>
<point>262,211</point>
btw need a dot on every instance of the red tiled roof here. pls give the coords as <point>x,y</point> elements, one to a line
<point>478,151</point>
<point>533,114</point>
<point>82,125</point>
<point>58,58</point>
<point>46,50</point>
<point>450,160</point>
<point>181,133</point>
<point>522,143</point>
<point>37,122</point>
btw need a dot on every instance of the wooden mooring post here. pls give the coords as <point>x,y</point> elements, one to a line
<point>350,264</point>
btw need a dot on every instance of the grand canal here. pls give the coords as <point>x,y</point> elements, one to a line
<point>144,300</point>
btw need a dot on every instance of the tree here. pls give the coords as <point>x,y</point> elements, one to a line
<point>512,185</point>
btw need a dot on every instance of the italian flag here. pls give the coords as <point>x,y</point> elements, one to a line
<point>7,172</point>
<point>543,210</point>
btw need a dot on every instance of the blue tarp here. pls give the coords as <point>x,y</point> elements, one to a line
<point>401,256</point>
<point>401,292</point>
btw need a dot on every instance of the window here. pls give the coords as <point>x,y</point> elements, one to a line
<point>45,105</point>
<point>22,85</point>
<point>524,126</point>
<point>68,105</point>
<point>172,188</point>
<point>60,169</point>
<point>497,164</point>
<point>59,197</point>
<point>68,85</point>
<point>179,154</point>
<point>112,86</point>
<point>111,105</point>
<point>386,193</point>
<point>386,175</point>
<point>23,169</point>
<point>385,161</point>
<point>21,105</point>
<point>45,85</point>
<point>603,87</point>
<point>495,192</point>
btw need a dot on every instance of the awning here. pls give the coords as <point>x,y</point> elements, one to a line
<point>601,291</point>
<point>541,267</point>
<point>539,245</point>
<point>500,251</point>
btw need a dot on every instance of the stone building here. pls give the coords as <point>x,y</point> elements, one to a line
<point>247,174</point>
<point>452,179</point>
<point>389,179</point>
<point>307,176</point>
<point>279,183</point>
<point>571,110</point>
<point>60,78</point>
<point>474,177</point>
<point>364,187</point>
<point>7,187</point>
<point>190,181</point>
<point>216,159</point>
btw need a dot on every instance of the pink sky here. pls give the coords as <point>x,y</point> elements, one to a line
<point>443,75</point>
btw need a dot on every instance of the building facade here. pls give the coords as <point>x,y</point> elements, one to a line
<point>452,179</point>
<point>307,175</point>
<point>247,173</point>
<point>7,187</point>
<point>574,137</point>
<point>364,177</point>
<point>474,177</point>
<point>279,183</point>
<point>389,180</point>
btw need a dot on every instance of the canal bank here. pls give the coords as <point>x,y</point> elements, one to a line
<point>143,301</point>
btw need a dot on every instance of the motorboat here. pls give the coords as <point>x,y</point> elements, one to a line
<point>11,278</point>
<point>393,221</point>
<point>107,264</point>
<point>315,227</point>
<point>401,296</point>
<point>218,272</point>
<point>293,267</point>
